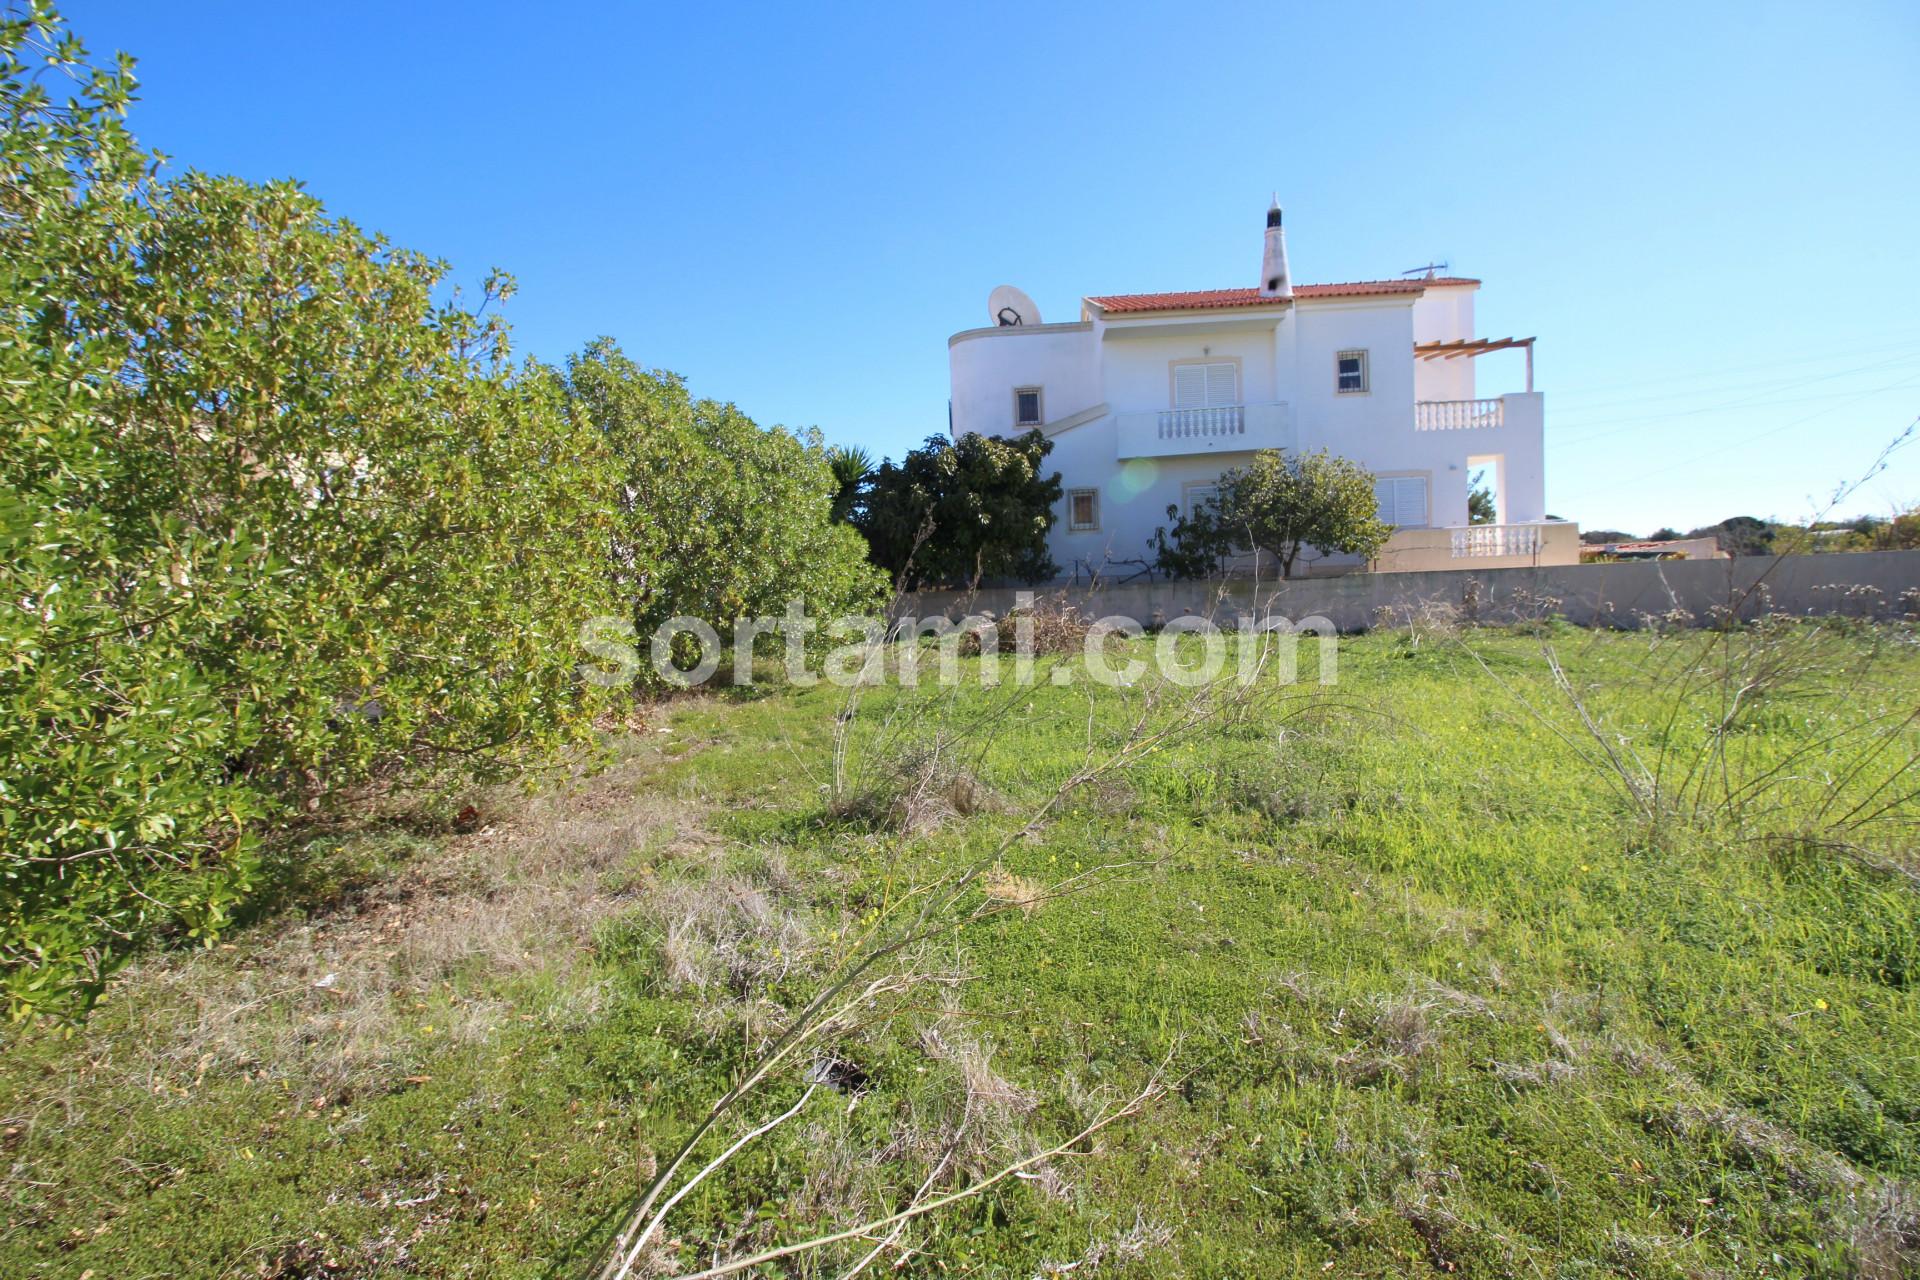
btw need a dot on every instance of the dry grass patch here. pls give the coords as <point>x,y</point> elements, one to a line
<point>725,933</point>
<point>1001,885</point>
<point>991,1100</point>
<point>1422,622</point>
<point>921,792</point>
<point>950,1122</point>
<point>1886,1234</point>
<point>1119,1248</point>
<point>1402,1032</point>
<point>1055,627</point>
<point>350,1000</point>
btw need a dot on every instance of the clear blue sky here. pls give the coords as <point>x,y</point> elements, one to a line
<point>1710,215</point>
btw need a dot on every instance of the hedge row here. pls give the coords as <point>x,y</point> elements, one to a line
<point>280,517</point>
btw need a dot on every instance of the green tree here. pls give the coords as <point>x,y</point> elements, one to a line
<point>1281,504</point>
<point>961,511</point>
<point>719,518</point>
<point>1740,535</point>
<point>1480,505</point>
<point>276,518</point>
<point>1902,533</point>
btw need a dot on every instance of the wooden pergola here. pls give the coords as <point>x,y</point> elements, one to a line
<point>1471,347</point>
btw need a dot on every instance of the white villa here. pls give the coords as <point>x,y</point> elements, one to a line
<point>1149,397</point>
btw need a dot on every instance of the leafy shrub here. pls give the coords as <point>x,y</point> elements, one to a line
<point>719,518</point>
<point>1280,504</point>
<point>961,511</point>
<point>1199,544</point>
<point>275,519</point>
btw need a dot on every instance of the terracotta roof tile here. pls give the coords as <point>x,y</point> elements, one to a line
<point>1217,299</point>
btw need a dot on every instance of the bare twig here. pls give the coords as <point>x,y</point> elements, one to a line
<point>640,1241</point>
<point>1155,1088</point>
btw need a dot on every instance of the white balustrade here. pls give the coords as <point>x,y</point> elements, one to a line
<point>1479,541</point>
<point>1194,424</point>
<point>1226,428</point>
<point>1457,415</point>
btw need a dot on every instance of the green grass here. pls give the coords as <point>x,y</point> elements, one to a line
<point>1441,996</point>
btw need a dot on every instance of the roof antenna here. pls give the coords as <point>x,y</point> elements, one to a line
<point>1430,270</point>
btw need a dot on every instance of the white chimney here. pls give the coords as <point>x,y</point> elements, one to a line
<point>1274,280</point>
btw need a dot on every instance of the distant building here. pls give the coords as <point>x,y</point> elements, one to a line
<point>1149,397</point>
<point>1663,549</point>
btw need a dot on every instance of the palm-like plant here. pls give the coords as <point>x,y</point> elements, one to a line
<point>852,466</point>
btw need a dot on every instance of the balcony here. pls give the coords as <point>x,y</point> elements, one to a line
<point>1231,428</point>
<point>1458,415</point>
<point>1481,546</point>
<point>1479,541</point>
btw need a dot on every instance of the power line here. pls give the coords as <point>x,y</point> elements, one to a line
<point>1617,425</point>
<point>1851,349</point>
<point>1772,389</point>
<point>1907,351</point>
<point>1841,403</point>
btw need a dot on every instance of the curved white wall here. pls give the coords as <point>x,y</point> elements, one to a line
<point>987,364</point>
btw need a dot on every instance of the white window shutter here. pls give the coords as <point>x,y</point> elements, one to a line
<point>1402,501</point>
<point>1410,502</point>
<point>1221,388</point>
<point>1189,386</point>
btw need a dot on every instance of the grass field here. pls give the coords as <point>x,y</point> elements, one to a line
<point>1447,968</point>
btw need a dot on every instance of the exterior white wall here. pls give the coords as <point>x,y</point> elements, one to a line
<point>987,364</point>
<point>1523,441</point>
<point>1138,370</point>
<point>1134,496</point>
<point>1370,427</point>
<point>1122,365</point>
<point>1444,314</point>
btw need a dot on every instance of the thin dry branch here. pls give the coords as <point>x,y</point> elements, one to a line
<point>640,1242</point>
<point>940,911</point>
<point>1156,1087</point>
<point>919,1197</point>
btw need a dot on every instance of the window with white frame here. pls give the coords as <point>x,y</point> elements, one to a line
<point>1083,510</point>
<point>1206,384</point>
<point>1202,494</point>
<point>1026,407</point>
<point>1350,373</point>
<point>1402,501</point>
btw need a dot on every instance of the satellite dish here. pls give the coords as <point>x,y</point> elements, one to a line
<point>1010,307</point>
